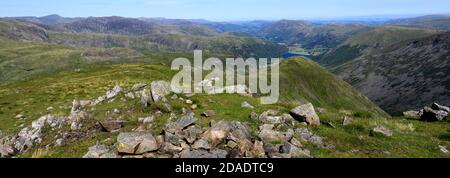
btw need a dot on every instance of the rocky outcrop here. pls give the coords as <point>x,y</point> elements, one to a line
<point>306,113</point>
<point>434,113</point>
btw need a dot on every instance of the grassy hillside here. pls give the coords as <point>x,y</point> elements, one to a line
<point>33,97</point>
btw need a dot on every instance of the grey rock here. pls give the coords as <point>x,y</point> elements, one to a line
<point>346,120</point>
<point>145,96</point>
<point>208,113</point>
<point>201,144</point>
<point>268,135</point>
<point>101,151</point>
<point>193,153</point>
<point>112,125</point>
<point>381,130</point>
<point>436,106</point>
<point>217,133</point>
<point>443,149</point>
<point>6,148</point>
<point>167,147</point>
<point>254,116</point>
<point>412,114</point>
<point>306,135</point>
<point>306,113</point>
<point>136,143</point>
<point>432,115</point>
<point>295,152</point>
<point>160,89</point>
<point>114,92</point>
<point>247,105</point>
<point>191,133</point>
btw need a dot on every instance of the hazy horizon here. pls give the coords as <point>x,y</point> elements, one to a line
<point>232,10</point>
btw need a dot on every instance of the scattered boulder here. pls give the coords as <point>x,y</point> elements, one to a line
<point>145,95</point>
<point>443,149</point>
<point>146,120</point>
<point>208,113</point>
<point>307,135</point>
<point>160,89</point>
<point>381,130</point>
<point>294,151</point>
<point>112,125</point>
<point>114,92</point>
<point>412,114</point>
<point>306,113</point>
<point>6,148</point>
<point>247,105</point>
<point>432,115</point>
<point>346,120</point>
<point>101,151</point>
<point>136,143</point>
<point>20,116</point>
<point>270,117</point>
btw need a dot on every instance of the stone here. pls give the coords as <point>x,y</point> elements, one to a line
<point>443,149</point>
<point>194,106</point>
<point>112,125</point>
<point>116,111</point>
<point>436,106</point>
<point>268,135</point>
<point>59,142</point>
<point>130,95</point>
<point>138,86</point>
<point>432,115</point>
<point>136,143</point>
<point>170,148</point>
<point>244,146</point>
<point>201,144</point>
<point>306,113</point>
<point>145,96</point>
<point>294,151</point>
<point>114,92</point>
<point>84,103</point>
<point>50,108</point>
<point>191,133</point>
<point>175,139</point>
<point>76,107</point>
<point>20,116</point>
<point>296,143</point>
<point>238,131</point>
<point>411,114</point>
<point>189,102</point>
<point>160,89</point>
<point>208,113</point>
<point>193,153</point>
<point>346,120</point>
<point>231,144</point>
<point>247,105</point>
<point>306,135</point>
<point>6,148</point>
<point>217,133</point>
<point>270,148</point>
<point>381,130</point>
<point>100,151</point>
<point>258,150</point>
<point>279,155</point>
<point>186,120</point>
<point>146,120</point>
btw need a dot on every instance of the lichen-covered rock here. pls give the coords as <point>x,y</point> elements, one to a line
<point>101,151</point>
<point>160,89</point>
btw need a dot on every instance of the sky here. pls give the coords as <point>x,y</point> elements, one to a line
<point>224,10</point>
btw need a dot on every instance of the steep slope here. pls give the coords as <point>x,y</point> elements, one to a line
<point>404,76</point>
<point>437,22</point>
<point>143,36</point>
<point>370,42</point>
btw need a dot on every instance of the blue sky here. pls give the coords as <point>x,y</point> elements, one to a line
<point>223,9</point>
